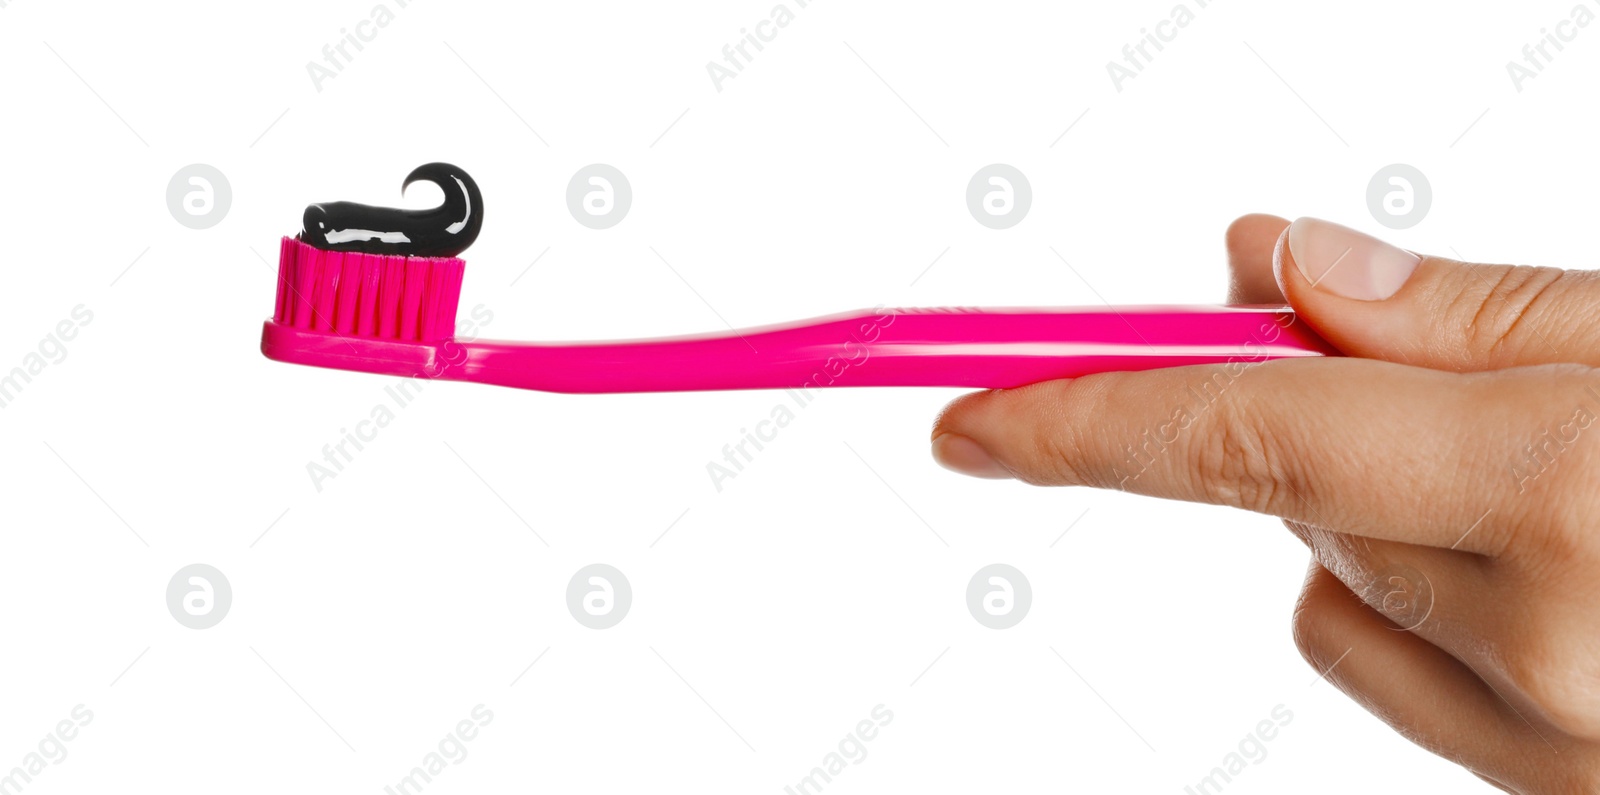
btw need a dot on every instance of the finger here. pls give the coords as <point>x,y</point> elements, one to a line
<point>1372,299</point>
<point>1455,600</point>
<point>1422,692</point>
<point>1449,598</point>
<point>1371,448</point>
<point>1251,240</point>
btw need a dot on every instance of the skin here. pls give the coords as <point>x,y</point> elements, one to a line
<point>1396,462</point>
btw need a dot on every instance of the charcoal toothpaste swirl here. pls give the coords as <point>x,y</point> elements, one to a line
<point>444,231</point>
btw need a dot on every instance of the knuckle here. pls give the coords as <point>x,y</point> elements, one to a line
<point>1240,467</point>
<point>1557,506</point>
<point>1062,454</point>
<point>1054,454</point>
<point>1306,638</point>
<point>1502,321</point>
<point>1310,630</point>
<point>1051,455</point>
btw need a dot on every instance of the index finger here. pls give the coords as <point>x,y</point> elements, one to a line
<point>1365,447</point>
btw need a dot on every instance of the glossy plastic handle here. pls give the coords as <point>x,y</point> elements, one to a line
<point>950,347</point>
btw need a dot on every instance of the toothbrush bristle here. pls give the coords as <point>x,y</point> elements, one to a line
<point>367,295</point>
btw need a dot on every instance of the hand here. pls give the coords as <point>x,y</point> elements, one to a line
<point>1451,457</point>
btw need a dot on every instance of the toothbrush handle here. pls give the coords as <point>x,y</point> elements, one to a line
<point>946,347</point>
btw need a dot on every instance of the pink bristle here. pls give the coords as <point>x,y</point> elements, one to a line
<point>286,266</point>
<point>303,285</point>
<point>411,300</point>
<point>371,278</point>
<point>326,289</point>
<point>367,295</point>
<point>431,326</point>
<point>394,282</point>
<point>348,295</point>
<point>450,299</point>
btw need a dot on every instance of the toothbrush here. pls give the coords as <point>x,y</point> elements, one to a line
<point>375,290</point>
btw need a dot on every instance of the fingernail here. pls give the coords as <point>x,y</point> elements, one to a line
<point>1348,263</point>
<point>960,454</point>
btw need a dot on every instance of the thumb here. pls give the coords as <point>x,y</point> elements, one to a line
<point>1373,300</point>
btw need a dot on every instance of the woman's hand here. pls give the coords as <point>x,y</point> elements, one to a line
<point>1446,478</point>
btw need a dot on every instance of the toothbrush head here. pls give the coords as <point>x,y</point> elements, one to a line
<point>377,272</point>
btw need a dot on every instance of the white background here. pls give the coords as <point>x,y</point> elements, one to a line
<point>371,617</point>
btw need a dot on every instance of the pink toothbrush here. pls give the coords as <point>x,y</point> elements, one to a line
<point>375,290</point>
